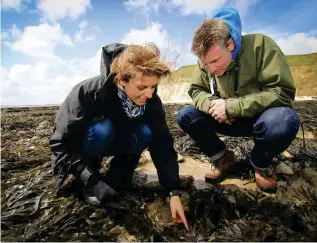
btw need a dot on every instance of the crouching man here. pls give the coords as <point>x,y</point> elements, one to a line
<point>242,86</point>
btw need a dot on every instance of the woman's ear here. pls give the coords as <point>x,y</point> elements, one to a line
<point>120,80</point>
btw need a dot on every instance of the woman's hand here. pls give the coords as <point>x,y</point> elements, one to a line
<point>177,211</point>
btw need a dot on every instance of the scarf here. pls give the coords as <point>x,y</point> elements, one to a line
<point>132,110</point>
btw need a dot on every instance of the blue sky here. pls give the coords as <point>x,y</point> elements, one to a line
<point>50,45</point>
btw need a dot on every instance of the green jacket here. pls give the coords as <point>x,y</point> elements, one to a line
<point>264,80</point>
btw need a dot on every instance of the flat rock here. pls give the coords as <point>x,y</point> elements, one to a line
<point>191,171</point>
<point>283,168</point>
<point>147,157</point>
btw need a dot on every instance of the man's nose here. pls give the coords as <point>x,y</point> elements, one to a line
<point>211,68</point>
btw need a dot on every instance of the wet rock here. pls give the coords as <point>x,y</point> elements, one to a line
<point>35,138</point>
<point>21,133</point>
<point>44,124</point>
<point>115,230</point>
<point>288,154</point>
<point>298,192</point>
<point>310,176</point>
<point>283,168</point>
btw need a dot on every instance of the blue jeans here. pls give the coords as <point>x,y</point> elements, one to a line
<point>273,131</point>
<point>102,140</point>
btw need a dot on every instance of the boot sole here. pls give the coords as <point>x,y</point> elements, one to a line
<point>213,181</point>
<point>218,180</point>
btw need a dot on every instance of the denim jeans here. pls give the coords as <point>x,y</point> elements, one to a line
<point>102,139</point>
<point>273,131</point>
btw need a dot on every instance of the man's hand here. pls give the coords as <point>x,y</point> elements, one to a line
<point>177,211</point>
<point>218,111</point>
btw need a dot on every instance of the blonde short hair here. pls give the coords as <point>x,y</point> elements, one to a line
<point>138,60</point>
<point>210,32</point>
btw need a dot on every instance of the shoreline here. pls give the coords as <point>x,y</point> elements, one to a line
<point>186,101</point>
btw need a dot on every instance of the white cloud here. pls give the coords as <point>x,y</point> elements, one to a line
<point>170,50</point>
<point>79,36</point>
<point>243,5</point>
<point>146,7</point>
<point>15,32</point>
<point>45,81</point>
<point>155,33</point>
<point>90,66</point>
<point>4,74</point>
<point>96,28</point>
<point>152,33</point>
<point>299,43</point>
<point>40,41</point>
<point>11,4</point>
<point>83,24</point>
<point>55,10</point>
<point>186,7</point>
<point>202,7</point>
<point>136,3</point>
<point>272,31</point>
<point>291,44</point>
<point>5,35</point>
<point>11,34</point>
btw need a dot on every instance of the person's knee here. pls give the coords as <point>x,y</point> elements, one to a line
<point>98,138</point>
<point>186,116</point>
<point>279,123</point>
<point>145,134</point>
<point>104,131</point>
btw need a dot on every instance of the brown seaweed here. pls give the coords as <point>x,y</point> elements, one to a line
<point>32,209</point>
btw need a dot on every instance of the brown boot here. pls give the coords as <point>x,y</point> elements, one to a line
<point>221,168</point>
<point>266,179</point>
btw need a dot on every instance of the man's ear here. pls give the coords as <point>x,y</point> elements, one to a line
<point>231,45</point>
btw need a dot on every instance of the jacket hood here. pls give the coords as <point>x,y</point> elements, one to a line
<point>232,18</point>
<point>108,53</point>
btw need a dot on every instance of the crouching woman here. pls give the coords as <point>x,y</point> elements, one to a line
<point>117,113</point>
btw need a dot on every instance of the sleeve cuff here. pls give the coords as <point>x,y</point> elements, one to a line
<point>205,106</point>
<point>233,108</point>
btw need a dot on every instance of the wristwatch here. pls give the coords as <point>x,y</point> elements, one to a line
<point>175,193</point>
